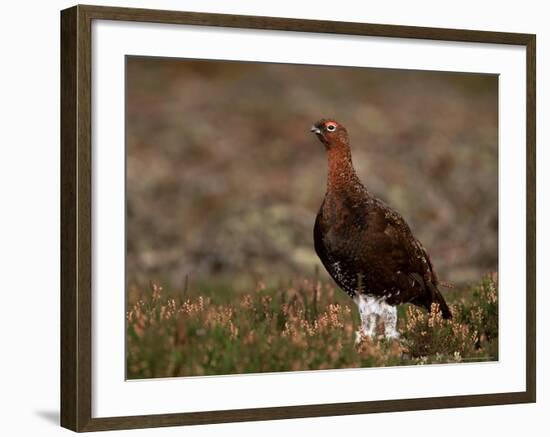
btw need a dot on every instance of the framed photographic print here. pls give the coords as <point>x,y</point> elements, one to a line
<point>258,211</point>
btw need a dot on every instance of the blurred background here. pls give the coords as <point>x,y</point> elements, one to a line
<point>224,179</point>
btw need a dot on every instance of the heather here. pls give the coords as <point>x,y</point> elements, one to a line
<point>307,325</point>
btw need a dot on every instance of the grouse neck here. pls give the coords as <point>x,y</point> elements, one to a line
<point>341,174</point>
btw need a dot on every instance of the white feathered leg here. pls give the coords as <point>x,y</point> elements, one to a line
<point>369,316</point>
<point>389,315</point>
<point>370,308</point>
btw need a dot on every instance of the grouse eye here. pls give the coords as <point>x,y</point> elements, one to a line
<point>331,128</point>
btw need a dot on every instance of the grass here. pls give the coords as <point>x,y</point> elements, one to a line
<point>303,326</point>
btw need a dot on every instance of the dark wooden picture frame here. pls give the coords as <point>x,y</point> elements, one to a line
<point>76,218</point>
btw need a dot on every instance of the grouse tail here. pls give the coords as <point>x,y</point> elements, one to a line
<point>437,297</point>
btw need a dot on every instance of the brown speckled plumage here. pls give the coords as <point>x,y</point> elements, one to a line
<point>366,246</point>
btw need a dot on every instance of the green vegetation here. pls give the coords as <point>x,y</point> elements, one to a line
<point>303,326</point>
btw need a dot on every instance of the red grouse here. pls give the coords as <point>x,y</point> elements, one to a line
<point>367,247</point>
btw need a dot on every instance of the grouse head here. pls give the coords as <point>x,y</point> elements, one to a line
<point>330,133</point>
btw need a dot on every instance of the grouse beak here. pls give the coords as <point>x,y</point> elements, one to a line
<point>315,130</point>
